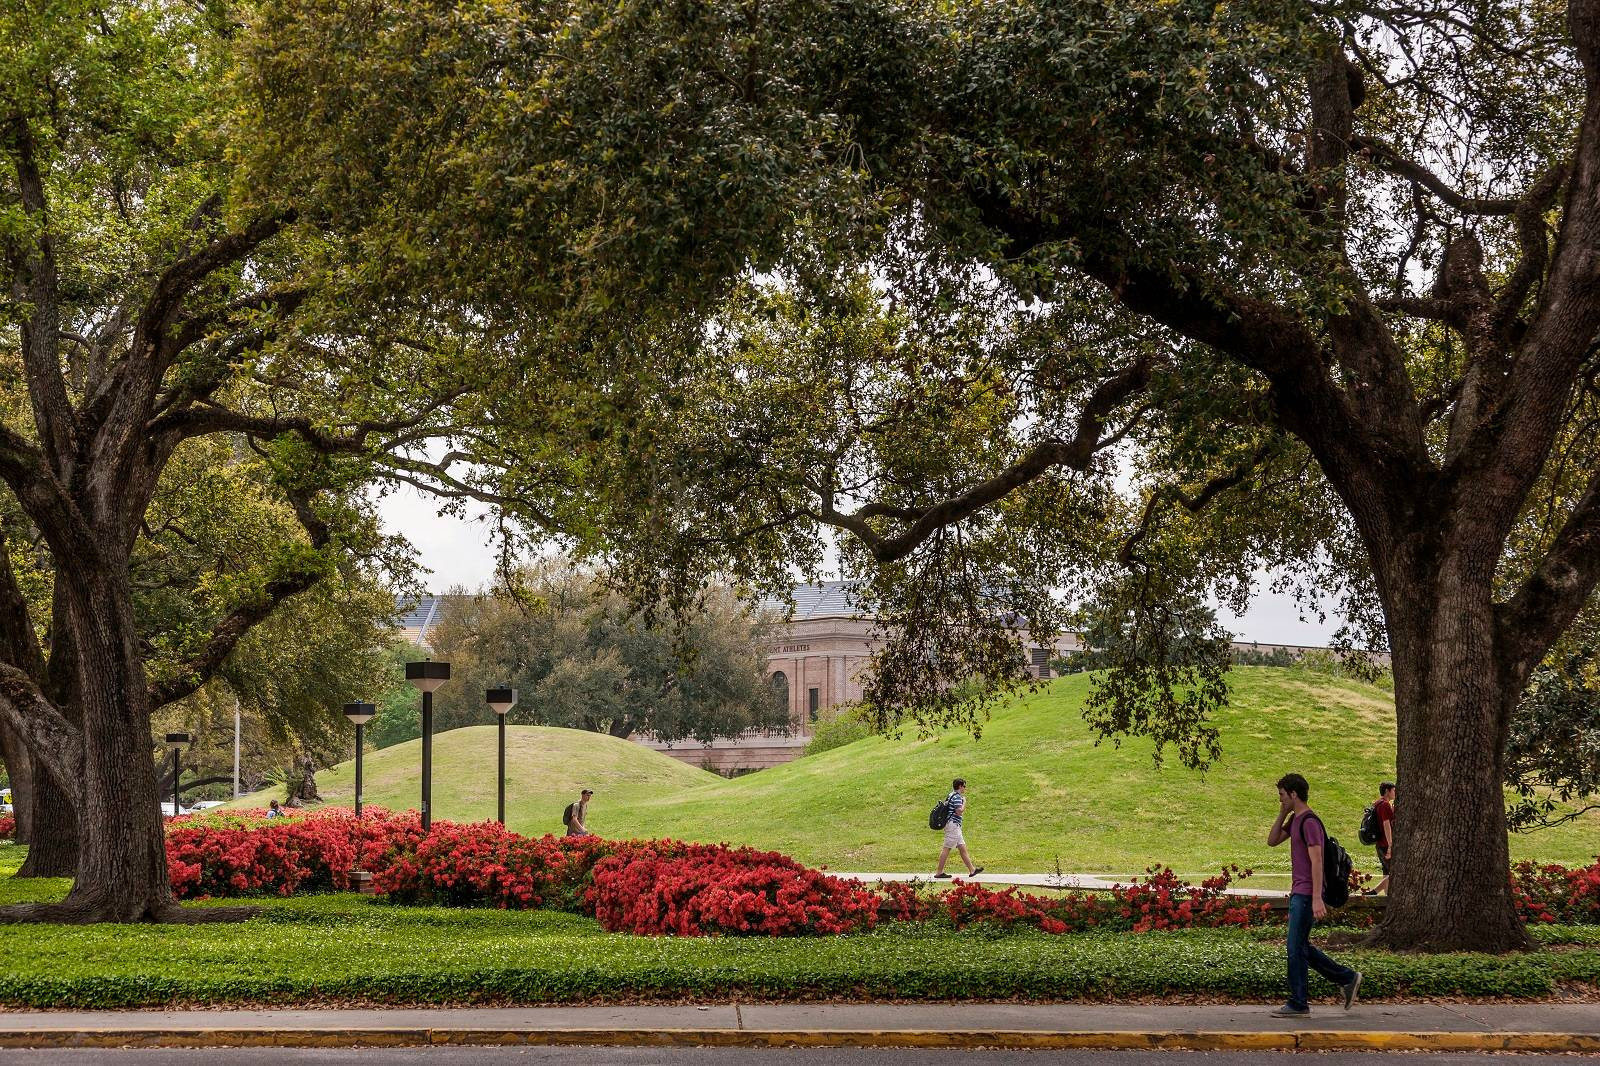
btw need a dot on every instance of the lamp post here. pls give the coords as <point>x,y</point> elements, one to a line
<point>176,740</point>
<point>360,714</point>
<point>500,701</point>
<point>427,676</point>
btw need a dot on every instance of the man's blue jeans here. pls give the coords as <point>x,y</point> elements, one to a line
<point>1301,954</point>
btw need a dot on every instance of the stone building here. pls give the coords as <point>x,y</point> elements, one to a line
<point>820,657</point>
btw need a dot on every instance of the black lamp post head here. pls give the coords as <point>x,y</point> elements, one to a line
<point>500,700</point>
<point>179,738</point>
<point>427,675</point>
<point>359,713</point>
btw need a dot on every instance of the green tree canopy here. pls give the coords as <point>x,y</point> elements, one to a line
<point>1319,277</point>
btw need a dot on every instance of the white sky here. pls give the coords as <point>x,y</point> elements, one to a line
<point>457,551</point>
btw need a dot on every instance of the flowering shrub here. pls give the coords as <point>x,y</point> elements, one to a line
<point>1552,893</point>
<point>247,854</point>
<point>1158,901</point>
<point>8,827</point>
<point>486,863</point>
<point>700,889</point>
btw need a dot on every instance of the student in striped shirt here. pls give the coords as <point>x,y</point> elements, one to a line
<point>956,804</point>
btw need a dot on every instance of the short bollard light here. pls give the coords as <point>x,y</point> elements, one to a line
<point>500,701</point>
<point>426,677</point>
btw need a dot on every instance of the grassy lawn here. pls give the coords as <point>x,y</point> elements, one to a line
<point>1041,791</point>
<point>347,947</point>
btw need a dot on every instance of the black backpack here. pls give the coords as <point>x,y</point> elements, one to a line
<point>939,817</point>
<point>1371,831</point>
<point>1336,867</point>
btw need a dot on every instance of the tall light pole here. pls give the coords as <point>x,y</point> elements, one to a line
<point>500,701</point>
<point>176,740</point>
<point>360,714</point>
<point>427,676</point>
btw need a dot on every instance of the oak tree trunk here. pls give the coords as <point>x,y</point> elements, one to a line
<point>53,843</point>
<point>1450,884</point>
<point>122,860</point>
<point>19,769</point>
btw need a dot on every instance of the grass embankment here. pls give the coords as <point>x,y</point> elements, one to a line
<point>1041,791</point>
<point>319,949</point>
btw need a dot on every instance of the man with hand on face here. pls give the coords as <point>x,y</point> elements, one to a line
<point>1299,825</point>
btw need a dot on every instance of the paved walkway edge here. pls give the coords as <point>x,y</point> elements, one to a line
<point>1190,1040</point>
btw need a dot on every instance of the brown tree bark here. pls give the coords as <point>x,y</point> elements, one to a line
<point>19,768</point>
<point>1449,888</point>
<point>53,840</point>
<point>122,859</point>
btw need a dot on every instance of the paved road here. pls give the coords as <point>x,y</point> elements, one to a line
<point>547,1056</point>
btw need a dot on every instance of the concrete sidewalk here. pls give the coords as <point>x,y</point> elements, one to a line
<point>1392,1027</point>
<point>1081,882</point>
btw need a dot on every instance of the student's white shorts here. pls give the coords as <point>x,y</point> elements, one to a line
<point>952,835</point>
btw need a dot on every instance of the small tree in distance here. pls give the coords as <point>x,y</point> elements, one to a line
<point>581,658</point>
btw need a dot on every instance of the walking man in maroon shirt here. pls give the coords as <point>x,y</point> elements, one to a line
<point>1299,825</point>
<point>1384,809</point>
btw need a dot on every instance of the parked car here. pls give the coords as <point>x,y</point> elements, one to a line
<point>167,812</point>
<point>5,802</point>
<point>205,805</point>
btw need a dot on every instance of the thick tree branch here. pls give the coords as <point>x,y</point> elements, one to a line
<point>36,287</point>
<point>19,645</point>
<point>1554,593</point>
<point>50,737</point>
<point>1076,453</point>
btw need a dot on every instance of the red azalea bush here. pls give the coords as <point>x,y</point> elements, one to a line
<point>701,889</point>
<point>1552,893</point>
<point>247,854</point>
<point>1158,901</point>
<point>8,827</point>
<point>486,863</point>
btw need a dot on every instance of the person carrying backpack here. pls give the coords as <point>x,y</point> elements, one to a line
<point>1382,833</point>
<point>955,805</point>
<point>1308,842</point>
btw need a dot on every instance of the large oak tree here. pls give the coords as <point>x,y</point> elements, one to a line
<point>149,305</point>
<point>1324,271</point>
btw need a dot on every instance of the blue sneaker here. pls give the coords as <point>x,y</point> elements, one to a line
<point>1287,1011</point>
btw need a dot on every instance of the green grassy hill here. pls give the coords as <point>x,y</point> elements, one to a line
<point>1041,791</point>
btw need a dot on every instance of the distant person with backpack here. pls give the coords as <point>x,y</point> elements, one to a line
<point>950,811</point>
<point>1309,845</point>
<point>573,817</point>
<point>1382,832</point>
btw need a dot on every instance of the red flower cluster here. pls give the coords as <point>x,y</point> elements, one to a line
<point>8,827</point>
<point>1552,893</point>
<point>1159,901</point>
<point>701,889</point>
<point>486,863</point>
<point>245,854</point>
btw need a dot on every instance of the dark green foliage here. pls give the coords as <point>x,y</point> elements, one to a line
<point>581,658</point>
<point>1553,750</point>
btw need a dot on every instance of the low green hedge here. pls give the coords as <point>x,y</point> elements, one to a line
<point>333,947</point>
<point>347,947</point>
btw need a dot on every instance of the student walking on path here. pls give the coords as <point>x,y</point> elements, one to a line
<point>576,815</point>
<point>1299,825</point>
<point>956,805</point>
<point>1384,809</point>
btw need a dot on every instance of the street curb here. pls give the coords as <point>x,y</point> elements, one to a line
<point>1185,1040</point>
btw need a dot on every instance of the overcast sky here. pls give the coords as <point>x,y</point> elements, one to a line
<point>458,552</point>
